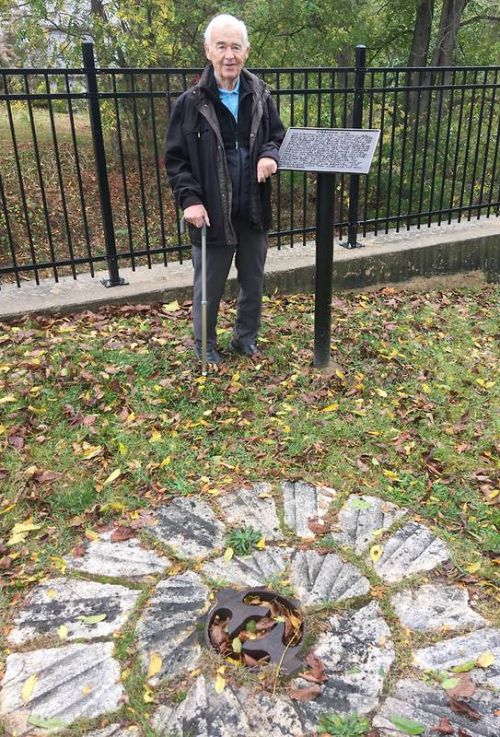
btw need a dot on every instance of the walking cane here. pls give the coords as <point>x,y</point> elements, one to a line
<point>204,299</point>
<point>203,293</point>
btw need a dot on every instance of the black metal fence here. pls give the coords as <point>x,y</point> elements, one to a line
<point>82,181</point>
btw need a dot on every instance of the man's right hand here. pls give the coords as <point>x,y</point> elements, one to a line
<point>196,215</point>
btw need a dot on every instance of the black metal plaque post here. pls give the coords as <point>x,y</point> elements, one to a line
<point>325,189</point>
<point>326,151</point>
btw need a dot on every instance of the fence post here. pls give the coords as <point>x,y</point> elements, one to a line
<point>357,122</point>
<point>102,173</point>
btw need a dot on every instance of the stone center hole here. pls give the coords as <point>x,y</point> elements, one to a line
<point>256,627</point>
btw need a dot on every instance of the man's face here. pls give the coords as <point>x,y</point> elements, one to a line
<point>228,54</point>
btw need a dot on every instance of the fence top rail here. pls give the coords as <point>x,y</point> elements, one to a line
<point>259,70</point>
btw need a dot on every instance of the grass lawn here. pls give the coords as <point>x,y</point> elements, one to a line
<point>104,414</point>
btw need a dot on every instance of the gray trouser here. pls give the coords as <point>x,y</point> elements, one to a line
<point>251,252</point>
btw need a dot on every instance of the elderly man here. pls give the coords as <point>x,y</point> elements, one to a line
<point>221,150</point>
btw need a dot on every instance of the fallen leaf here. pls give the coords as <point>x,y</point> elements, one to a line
<point>261,544</point>
<point>331,407</point>
<point>220,683</point>
<point>464,667</point>
<point>91,535</point>
<point>236,645</point>
<point>486,659</point>
<point>461,707</point>
<point>408,726</point>
<point>305,694</point>
<point>92,618</point>
<point>317,526</point>
<point>228,554</point>
<point>28,687</point>
<point>155,664</point>
<point>464,689</point>
<point>376,552</point>
<point>444,726</point>
<point>112,476</point>
<point>171,306</point>
<point>53,723</point>
<point>62,632</point>
<point>87,689</point>
<point>316,672</point>
<point>120,534</point>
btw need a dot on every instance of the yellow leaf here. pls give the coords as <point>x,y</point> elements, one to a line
<point>62,632</point>
<point>7,399</point>
<point>92,452</point>
<point>91,535</point>
<point>147,696</point>
<point>486,659</point>
<point>124,674</point>
<point>156,437</point>
<point>16,539</point>
<point>381,392</point>
<point>166,462</point>
<point>171,306</point>
<point>214,492</point>
<point>87,689</point>
<point>122,449</point>
<point>155,664</point>
<point>52,594</point>
<point>473,567</point>
<point>376,552</point>
<point>228,554</point>
<point>261,544</point>
<point>113,476</point>
<point>26,526</point>
<point>28,687</point>
<point>331,407</point>
<point>220,683</point>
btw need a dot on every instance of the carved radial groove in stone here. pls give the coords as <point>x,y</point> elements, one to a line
<point>125,559</point>
<point>114,730</point>
<point>426,705</point>
<point>303,502</point>
<point>73,682</point>
<point>253,570</point>
<point>410,550</point>
<point>62,601</point>
<point>361,517</point>
<point>357,653</point>
<point>326,578</point>
<point>246,508</point>
<point>190,527</point>
<point>459,650</point>
<point>204,713</point>
<point>168,626</point>
<point>434,607</point>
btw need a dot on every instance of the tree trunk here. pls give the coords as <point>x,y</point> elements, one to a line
<point>446,41</point>
<point>421,34</point>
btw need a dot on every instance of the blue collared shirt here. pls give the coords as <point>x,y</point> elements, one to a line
<point>230,98</point>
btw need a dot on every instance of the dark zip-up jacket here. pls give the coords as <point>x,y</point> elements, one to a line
<point>211,160</point>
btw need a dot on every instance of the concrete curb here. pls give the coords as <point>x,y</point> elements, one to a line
<point>468,248</point>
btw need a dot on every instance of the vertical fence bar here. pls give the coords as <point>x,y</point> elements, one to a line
<point>487,149</point>
<point>102,174</point>
<point>9,231</point>
<point>357,122</point>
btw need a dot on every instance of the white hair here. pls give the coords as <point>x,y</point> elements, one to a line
<point>224,19</point>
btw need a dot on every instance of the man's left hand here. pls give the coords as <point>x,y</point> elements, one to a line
<point>266,167</point>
